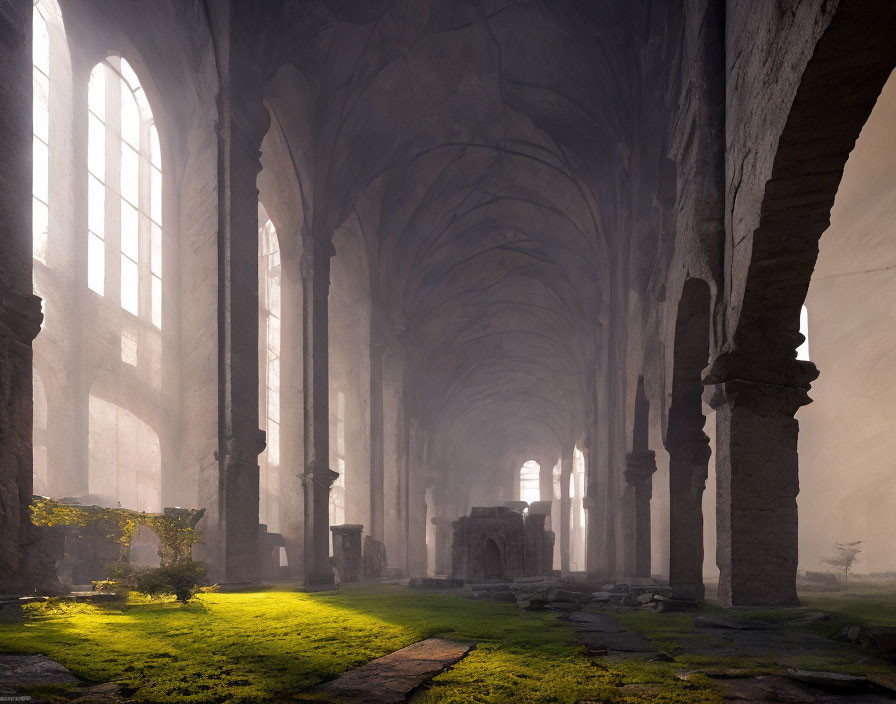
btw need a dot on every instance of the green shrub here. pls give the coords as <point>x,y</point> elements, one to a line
<point>181,580</point>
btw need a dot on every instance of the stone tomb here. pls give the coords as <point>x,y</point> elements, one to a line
<point>501,543</point>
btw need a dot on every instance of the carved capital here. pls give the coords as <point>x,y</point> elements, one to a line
<point>319,476</point>
<point>764,399</point>
<point>758,367</point>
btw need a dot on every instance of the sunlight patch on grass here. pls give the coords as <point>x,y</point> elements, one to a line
<point>268,646</point>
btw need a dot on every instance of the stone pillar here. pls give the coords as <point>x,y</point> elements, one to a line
<point>757,471</point>
<point>377,487</point>
<point>420,478</point>
<point>20,313</point>
<point>395,453</point>
<point>292,460</point>
<point>640,466</point>
<point>546,480</point>
<point>688,468</point>
<point>318,477</point>
<point>233,499</point>
<point>443,525</point>
<point>565,472</point>
<point>347,551</point>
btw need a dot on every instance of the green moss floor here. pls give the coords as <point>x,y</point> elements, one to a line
<point>270,646</point>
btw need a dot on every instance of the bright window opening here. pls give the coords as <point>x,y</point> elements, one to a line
<point>269,370</point>
<point>40,73</point>
<point>124,190</point>
<point>802,352</point>
<point>530,484</point>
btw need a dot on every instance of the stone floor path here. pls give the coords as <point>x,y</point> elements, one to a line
<point>603,635</point>
<point>22,671</point>
<point>393,678</point>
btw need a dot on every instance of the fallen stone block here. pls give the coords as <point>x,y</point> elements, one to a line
<point>831,680</point>
<point>393,678</point>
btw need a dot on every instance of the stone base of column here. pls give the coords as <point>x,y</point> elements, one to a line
<point>758,482</point>
<point>319,582</point>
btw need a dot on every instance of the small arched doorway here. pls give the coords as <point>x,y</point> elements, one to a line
<point>492,560</point>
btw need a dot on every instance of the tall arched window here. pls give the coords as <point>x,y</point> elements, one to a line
<point>124,165</point>
<point>269,369</point>
<point>530,485</point>
<point>40,73</point>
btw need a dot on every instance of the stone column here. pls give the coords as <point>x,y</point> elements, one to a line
<point>318,477</point>
<point>377,487</point>
<point>232,496</point>
<point>420,478</point>
<point>292,460</point>
<point>443,526</point>
<point>757,471</point>
<point>640,466</point>
<point>20,313</point>
<point>688,468</point>
<point>565,472</point>
<point>546,480</point>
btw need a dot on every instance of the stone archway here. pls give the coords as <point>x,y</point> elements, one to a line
<point>491,560</point>
<point>759,383</point>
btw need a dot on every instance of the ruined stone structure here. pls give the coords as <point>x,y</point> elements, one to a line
<point>347,551</point>
<point>489,232</point>
<point>499,543</point>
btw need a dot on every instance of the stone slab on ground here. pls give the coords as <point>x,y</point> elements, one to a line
<point>392,678</point>
<point>33,669</point>
<point>772,688</point>
<point>602,634</point>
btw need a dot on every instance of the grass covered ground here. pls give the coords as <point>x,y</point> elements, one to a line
<point>268,646</point>
<point>869,602</point>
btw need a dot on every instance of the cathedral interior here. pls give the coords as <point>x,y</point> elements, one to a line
<point>455,351</point>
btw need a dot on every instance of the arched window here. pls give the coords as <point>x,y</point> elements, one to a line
<point>40,73</point>
<point>124,165</point>
<point>530,483</point>
<point>269,369</point>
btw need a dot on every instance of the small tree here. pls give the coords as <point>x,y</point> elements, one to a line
<point>847,554</point>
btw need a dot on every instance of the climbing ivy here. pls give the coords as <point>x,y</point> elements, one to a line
<point>176,529</point>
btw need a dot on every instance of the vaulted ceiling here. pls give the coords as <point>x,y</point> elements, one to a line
<point>480,155</point>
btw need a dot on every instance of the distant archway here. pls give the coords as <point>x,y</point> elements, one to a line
<point>492,560</point>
